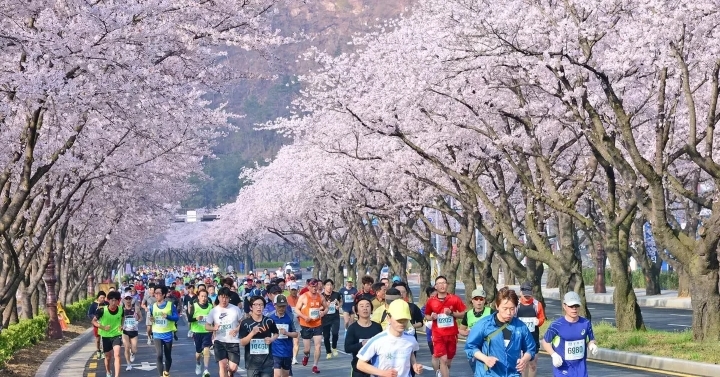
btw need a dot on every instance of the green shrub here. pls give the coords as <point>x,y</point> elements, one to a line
<point>78,311</point>
<point>21,335</point>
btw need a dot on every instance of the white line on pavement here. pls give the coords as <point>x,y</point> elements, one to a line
<point>681,315</point>
<point>608,319</point>
<point>672,324</point>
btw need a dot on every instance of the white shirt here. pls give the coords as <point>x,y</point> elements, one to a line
<point>228,318</point>
<point>391,351</point>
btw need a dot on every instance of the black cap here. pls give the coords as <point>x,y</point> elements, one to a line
<point>280,300</point>
<point>526,288</point>
<point>274,289</point>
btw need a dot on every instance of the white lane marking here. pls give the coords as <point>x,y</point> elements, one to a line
<point>672,324</point>
<point>608,319</point>
<point>681,315</point>
<point>591,308</point>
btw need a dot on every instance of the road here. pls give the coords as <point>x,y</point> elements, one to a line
<point>655,318</point>
<point>183,363</point>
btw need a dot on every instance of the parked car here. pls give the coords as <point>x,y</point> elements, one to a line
<point>293,267</point>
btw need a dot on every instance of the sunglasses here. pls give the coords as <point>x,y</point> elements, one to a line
<point>479,298</point>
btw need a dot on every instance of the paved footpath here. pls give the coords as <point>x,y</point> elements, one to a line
<point>84,363</point>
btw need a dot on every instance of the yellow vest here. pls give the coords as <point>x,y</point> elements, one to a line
<point>162,325</point>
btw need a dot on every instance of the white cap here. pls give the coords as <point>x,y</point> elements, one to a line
<point>293,285</point>
<point>127,294</point>
<point>571,298</point>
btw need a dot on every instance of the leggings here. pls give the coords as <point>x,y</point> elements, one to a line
<point>166,348</point>
<point>333,327</point>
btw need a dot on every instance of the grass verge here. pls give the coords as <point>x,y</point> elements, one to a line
<point>671,344</point>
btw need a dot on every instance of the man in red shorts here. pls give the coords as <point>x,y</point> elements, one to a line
<point>443,310</point>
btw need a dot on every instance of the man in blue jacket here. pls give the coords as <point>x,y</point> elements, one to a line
<point>501,344</point>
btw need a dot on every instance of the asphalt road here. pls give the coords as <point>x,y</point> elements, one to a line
<point>184,363</point>
<point>655,318</point>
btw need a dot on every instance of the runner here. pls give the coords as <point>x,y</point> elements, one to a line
<point>164,317</point>
<point>283,347</point>
<point>131,317</point>
<point>379,300</point>
<point>392,352</point>
<point>443,310</point>
<point>366,292</point>
<point>331,320</point>
<point>478,311</point>
<point>359,332</point>
<point>417,319</point>
<point>98,303</point>
<point>224,319</point>
<point>257,334</point>
<point>531,313</point>
<point>108,319</point>
<point>187,301</point>
<point>347,293</point>
<point>148,302</point>
<point>197,316</point>
<point>501,343</point>
<point>570,335</point>
<point>292,302</point>
<point>311,307</point>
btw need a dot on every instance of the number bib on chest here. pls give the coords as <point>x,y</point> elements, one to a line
<point>130,323</point>
<point>314,313</point>
<point>575,349</point>
<point>160,321</point>
<point>258,347</point>
<point>331,309</point>
<point>202,321</point>
<point>349,299</point>
<point>444,320</point>
<point>285,327</point>
<point>529,322</point>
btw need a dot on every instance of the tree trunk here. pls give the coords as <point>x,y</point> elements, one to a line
<point>705,300</point>
<point>684,282</point>
<point>600,260</point>
<point>535,271</point>
<point>425,280</point>
<point>552,280</point>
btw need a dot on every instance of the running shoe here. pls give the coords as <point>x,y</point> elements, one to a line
<point>132,357</point>
<point>305,360</point>
<point>206,373</point>
<point>166,374</point>
<point>316,370</point>
<point>335,352</point>
<point>149,342</point>
<point>329,356</point>
<point>190,334</point>
<point>294,361</point>
<point>129,367</point>
<point>108,374</point>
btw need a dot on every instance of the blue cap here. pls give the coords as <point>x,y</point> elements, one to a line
<point>396,279</point>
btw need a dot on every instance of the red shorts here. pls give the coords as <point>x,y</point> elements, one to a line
<point>444,345</point>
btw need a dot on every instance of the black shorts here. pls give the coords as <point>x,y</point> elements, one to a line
<point>109,343</point>
<point>130,334</point>
<point>229,351</point>
<point>310,332</point>
<point>282,362</point>
<point>202,340</point>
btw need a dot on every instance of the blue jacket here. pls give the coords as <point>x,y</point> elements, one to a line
<point>521,341</point>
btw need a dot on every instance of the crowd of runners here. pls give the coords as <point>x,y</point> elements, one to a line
<point>264,316</point>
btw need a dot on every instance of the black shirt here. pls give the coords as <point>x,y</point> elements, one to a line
<point>333,297</point>
<point>353,344</point>
<point>258,361</point>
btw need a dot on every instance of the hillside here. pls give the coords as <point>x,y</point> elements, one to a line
<point>329,24</point>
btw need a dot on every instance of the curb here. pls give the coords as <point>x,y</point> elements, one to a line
<point>657,363</point>
<point>47,368</point>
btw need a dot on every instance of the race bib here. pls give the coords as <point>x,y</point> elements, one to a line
<point>444,321</point>
<point>130,322</point>
<point>331,309</point>
<point>223,330</point>
<point>258,347</point>
<point>160,321</point>
<point>202,321</point>
<point>314,313</point>
<point>574,350</point>
<point>529,322</point>
<point>281,327</point>
<point>349,299</point>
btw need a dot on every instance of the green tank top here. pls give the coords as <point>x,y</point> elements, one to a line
<point>162,325</point>
<point>198,327</point>
<point>112,320</point>
<point>471,319</point>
